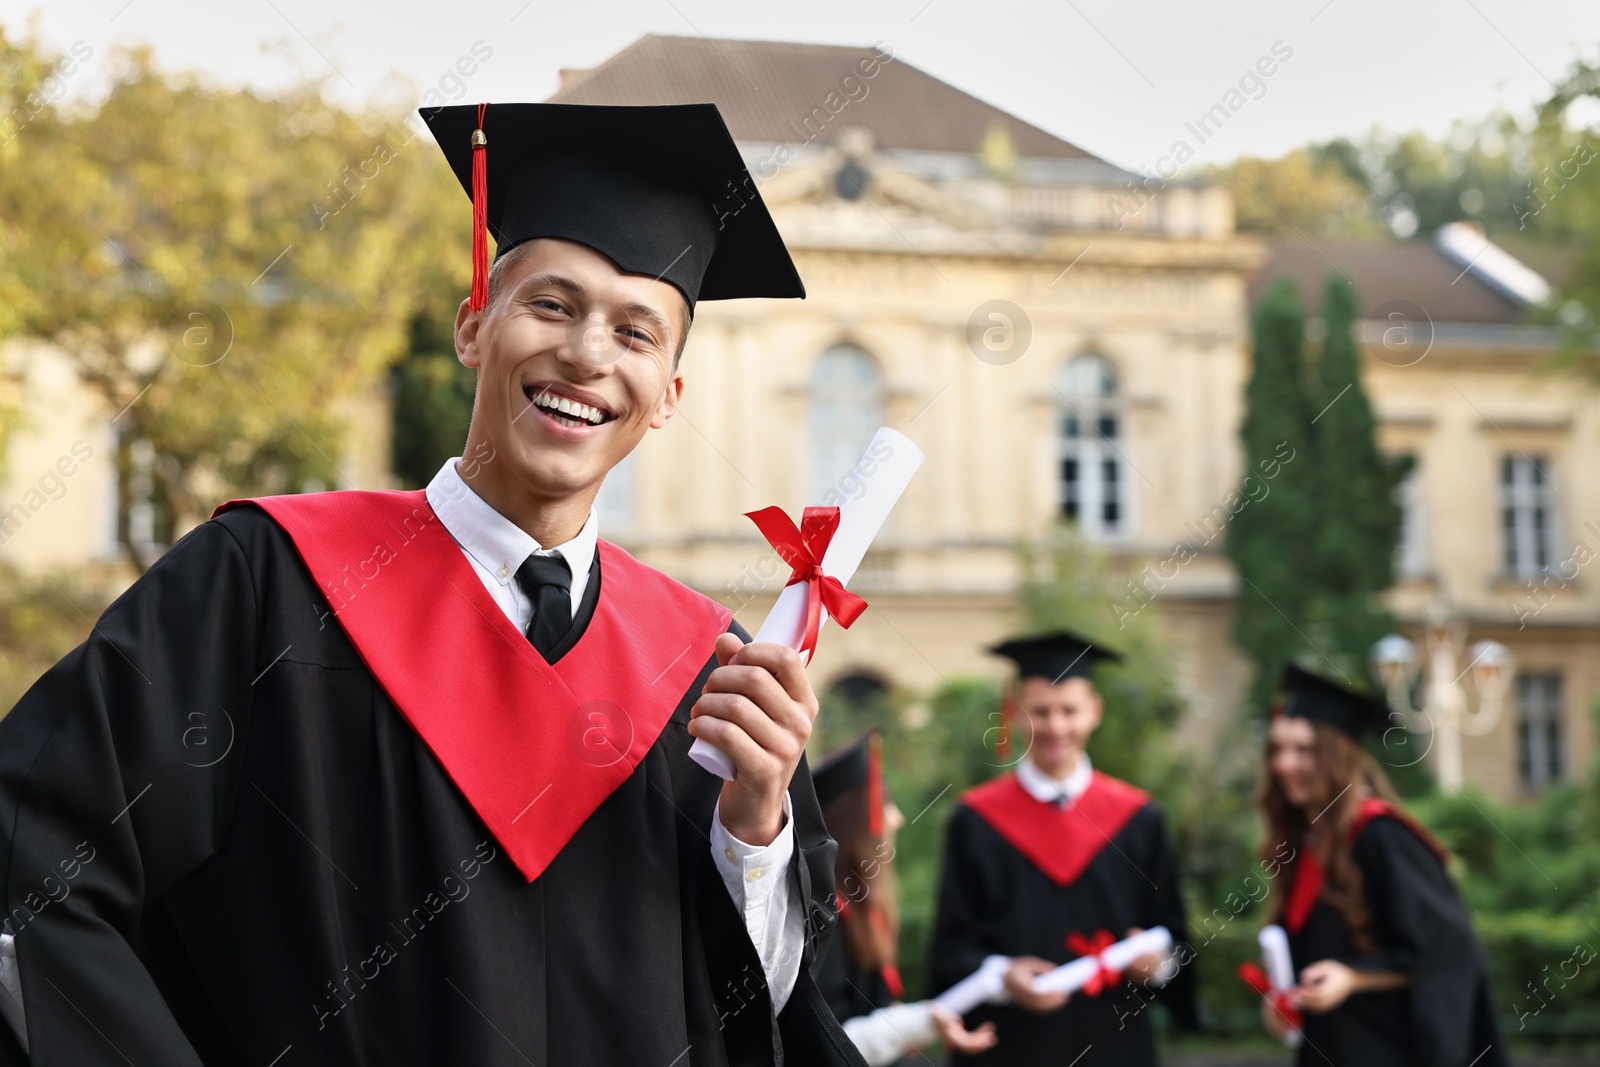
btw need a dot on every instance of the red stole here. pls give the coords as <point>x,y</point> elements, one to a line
<point>1062,841</point>
<point>1306,888</point>
<point>534,748</point>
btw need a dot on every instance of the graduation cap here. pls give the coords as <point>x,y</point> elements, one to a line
<point>1054,657</point>
<point>1305,695</point>
<point>658,190</point>
<point>856,765</point>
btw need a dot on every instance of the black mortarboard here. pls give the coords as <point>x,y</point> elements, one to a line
<point>858,764</point>
<point>1305,695</point>
<point>1054,657</point>
<point>658,190</point>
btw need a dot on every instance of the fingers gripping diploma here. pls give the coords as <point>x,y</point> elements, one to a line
<point>757,707</point>
<point>1019,983</point>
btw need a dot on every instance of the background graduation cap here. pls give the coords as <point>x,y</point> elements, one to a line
<point>658,190</point>
<point>1055,657</point>
<point>1303,694</point>
<point>856,765</point>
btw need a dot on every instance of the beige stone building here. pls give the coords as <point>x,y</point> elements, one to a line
<point>969,284</point>
<point>1502,508</point>
<point>1061,337</point>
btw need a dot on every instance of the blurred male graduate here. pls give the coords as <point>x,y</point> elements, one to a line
<point>401,778</point>
<point>1054,861</point>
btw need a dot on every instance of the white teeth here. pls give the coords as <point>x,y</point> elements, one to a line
<point>571,408</point>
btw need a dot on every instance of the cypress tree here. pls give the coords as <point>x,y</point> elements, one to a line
<point>1357,510</point>
<point>1270,534</point>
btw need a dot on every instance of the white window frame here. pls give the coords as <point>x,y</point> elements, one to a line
<point>1527,515</point>
<point>844,411</point>
<point>1090,393</point>
<point>1411,557</point>
<point>1541,729</point>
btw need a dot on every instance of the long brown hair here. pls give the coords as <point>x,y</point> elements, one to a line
<point>864,880</point>
<point>1346,775</point>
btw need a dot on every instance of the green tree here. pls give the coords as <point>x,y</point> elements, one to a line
<point>431,393</point>
<point>1357,514</point>
<point>1270,537</point>
<point>1297,190</point>
<point>30,82</point>
<point>1067,585</point>
<point>229,270</point>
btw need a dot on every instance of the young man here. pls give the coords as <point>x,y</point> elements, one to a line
<point>1051,861</point>
<point>402,777</point>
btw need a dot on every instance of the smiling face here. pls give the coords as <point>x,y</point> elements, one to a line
<point>575,361</point>
<point>1056,721</point>
<point>1292,758</point>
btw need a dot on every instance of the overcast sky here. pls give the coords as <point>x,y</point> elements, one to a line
<point>1118,77</point>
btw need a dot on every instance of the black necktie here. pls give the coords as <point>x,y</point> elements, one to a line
<point>547,580</point>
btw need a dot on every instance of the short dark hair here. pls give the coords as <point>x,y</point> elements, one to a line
<point>503,266</point>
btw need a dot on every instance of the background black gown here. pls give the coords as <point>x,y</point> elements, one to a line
<point>993,900</point>
<point>282,873</point>
<point>1446,1018</point>
<point>850,990</point>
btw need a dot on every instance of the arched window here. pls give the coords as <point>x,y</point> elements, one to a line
<point>1093,483</point>
<point>846,410</point>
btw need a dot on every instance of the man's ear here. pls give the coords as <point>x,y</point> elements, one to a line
<point>1099,705</point>
<point>467,323</point>
<point>670,396</point>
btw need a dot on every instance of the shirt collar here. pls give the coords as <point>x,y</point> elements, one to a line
<point>497,544</point>
<point>1048,790</point>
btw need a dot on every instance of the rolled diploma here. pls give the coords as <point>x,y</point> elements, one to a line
<point>982,985</point>
<point>1070,977</point>
<point>860,519</point>
<point>1279,967</point>
<point>1275,954</point>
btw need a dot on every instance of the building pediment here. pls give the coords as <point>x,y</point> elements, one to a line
<point>829,198</point>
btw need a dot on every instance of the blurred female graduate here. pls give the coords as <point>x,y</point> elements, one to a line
<point>1389,972</point>
<point>860,976</point>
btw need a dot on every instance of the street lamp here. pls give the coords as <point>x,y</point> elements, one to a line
<point>1444,709</point>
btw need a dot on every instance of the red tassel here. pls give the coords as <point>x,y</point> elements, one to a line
<point>891,979</point>
<point>480,218</point>
<point>1008,709</point>
<point>875,785</point>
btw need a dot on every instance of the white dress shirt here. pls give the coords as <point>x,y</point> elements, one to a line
<point>496,547</point>
<point>1040,786</point>
<point>756,877</point>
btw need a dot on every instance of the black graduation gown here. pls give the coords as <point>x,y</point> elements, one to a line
<point>850,990</point>
<point>995,900</point>
<point>222,844</point>
<point>1446,1018</point>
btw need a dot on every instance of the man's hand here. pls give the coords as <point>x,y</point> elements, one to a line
<point>1146,968</point>
<point>955,1035</point>
<point>1019,983</point>
<point>757,707</point>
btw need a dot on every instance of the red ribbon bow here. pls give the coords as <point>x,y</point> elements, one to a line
<point>1105,977</point>
<point>803,549</point>
<point>1256,979</point>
